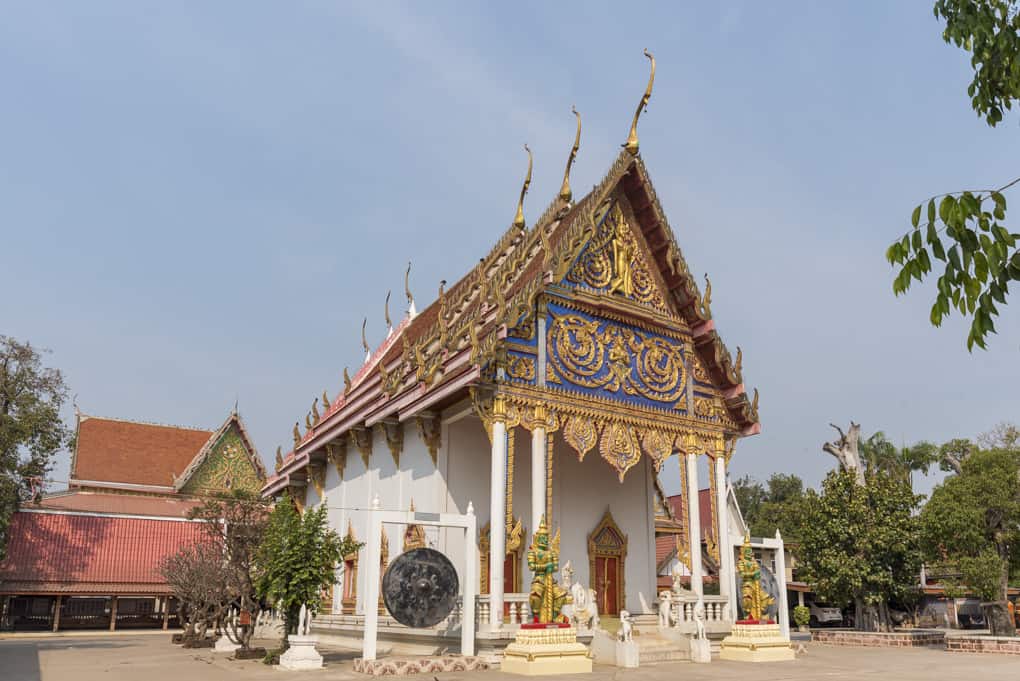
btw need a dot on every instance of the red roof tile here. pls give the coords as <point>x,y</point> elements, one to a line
<point>134,453</point>
<point>130,504</point>
<point>79,553</point>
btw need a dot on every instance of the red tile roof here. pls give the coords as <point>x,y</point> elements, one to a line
<point>58,552</point>
<point>131,504</point>
<point>135,453</point>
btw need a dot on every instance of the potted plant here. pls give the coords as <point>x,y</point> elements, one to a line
<point>801,617</point>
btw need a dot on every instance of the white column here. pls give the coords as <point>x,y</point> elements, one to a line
<point>373,549</point>
<point>723,536</point>
<point>694,531</point>
<point>538,455</point>
<point>497,509</point>
<point>467,624</point>
<point>784,608</point>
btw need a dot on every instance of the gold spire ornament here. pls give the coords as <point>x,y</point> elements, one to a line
<point>326,404</point>
<point>315,412</point>
<point>631,144</point>
<point>565,194</point>
<point>347,381</point>
<point>706,300</point>
<point>364,340</point>
<point>519,217</point>
<point>279,458</point>
<point>407,291</point>
<point>308,421</point>
<point>297,434</point>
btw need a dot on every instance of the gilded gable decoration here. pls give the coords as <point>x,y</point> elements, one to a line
<point>565,194</point>
<point>521,367</point>
<point>612,263</point>
<point>431,431</point>
<point>602,356</point>
<point>414,535</point>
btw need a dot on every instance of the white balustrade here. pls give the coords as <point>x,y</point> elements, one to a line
<point>518,610</point>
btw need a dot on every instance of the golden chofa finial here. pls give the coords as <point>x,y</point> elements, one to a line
<point>519,218</point>
<point>565,194</point>
<point>411,312</point>
<point>386,312</point>
<point>364,340</point>
<point>631,144</point>
<point>347,381</point>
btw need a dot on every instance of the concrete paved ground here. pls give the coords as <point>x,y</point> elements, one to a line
<point>153,658</point>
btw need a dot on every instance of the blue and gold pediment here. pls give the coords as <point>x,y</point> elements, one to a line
<point>613,263</point>
<point>610,359</point>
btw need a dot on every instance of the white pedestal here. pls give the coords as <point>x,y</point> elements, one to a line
<point>701,650</point>
<point>301,654</point>
<point>225,645</point>
<point>627,654</point>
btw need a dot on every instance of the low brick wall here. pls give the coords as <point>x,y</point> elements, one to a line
<point>1003,645</point>
<point>915,638</point>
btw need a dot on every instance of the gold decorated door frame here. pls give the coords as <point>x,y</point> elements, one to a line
<point>607,543</point>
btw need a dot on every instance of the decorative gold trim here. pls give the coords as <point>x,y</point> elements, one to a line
<point>393,431</point>
<point>582,434</point>
<point>710,540</point>
<point>683,539</point>
<point>317,476</point>
<point>430,430</point>
<point>599,547</point>
<point>550,439</point>
<point>363,441</point>
<point>336,454</point>
<point>657,444</point>
<point>350,604</point>
<point>414,535</point>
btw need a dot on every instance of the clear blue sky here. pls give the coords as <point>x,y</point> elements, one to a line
<point>201,201</point>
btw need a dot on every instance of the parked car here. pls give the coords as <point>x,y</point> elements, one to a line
<point>823,614</point>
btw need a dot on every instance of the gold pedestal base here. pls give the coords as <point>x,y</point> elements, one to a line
<point>756,643</point>
<point>537,652</point>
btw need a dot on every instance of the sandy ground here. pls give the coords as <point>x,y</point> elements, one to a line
<point>153,658</point>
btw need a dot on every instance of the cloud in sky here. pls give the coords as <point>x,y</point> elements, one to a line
<point>200,203</point>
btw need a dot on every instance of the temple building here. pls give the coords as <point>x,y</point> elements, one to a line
<point>553,381</point>
<point>89,556</point>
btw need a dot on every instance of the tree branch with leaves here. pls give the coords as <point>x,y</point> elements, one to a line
<point>965,230</point>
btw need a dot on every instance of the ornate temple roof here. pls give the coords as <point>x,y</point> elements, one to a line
<point>451,345</point>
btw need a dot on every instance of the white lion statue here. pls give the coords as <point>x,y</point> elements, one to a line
<point>626,627</point>
<point>582,611</point>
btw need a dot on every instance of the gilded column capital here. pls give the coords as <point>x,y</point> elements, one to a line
<point>499,408</point>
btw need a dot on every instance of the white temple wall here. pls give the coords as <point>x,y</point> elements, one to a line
<point>582,490</point>
<point>466,475</point>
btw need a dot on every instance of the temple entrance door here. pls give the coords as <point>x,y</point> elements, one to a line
<point>607,551</point>
<point>607,576</point>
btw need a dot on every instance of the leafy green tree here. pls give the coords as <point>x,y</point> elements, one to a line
<point>31,431</point>
<point>965,230</point>
<point>777,504</point>
<point>859,544</point>
<point>235,523</point>
<point>971,525</point>
<point>298,559</point>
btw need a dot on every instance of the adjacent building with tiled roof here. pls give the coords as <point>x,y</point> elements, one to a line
<point>89,555</point>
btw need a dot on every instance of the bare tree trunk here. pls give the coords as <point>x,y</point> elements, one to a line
<point>845,449</point>
<point>997,612</point>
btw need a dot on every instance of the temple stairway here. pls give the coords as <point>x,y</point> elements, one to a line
<point>654,647</point>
